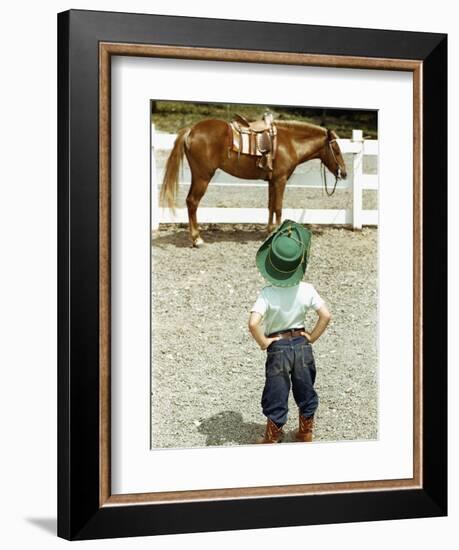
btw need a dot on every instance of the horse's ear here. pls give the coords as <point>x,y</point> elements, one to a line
<point>331,134</point>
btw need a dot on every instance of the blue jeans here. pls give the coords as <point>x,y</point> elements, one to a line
<point>289,359</point>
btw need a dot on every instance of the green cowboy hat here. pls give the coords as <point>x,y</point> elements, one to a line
<point>283,256</point>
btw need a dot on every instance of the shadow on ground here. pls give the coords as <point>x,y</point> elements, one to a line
<point>211,234</point>
<point>179,235</point>
<point>228,427</point>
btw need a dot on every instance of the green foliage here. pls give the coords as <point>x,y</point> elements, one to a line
<point>170,116</point>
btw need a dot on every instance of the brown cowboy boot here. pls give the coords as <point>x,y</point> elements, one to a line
<point>306,425</point>
<point>273,434</point>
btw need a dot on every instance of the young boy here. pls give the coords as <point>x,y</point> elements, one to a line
<point>282,260</point>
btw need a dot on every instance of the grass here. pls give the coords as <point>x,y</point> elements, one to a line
<point>170,116</point>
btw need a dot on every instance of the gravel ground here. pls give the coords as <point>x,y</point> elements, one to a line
<point>208,373</point>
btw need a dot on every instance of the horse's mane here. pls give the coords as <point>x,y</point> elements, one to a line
<point>304,127</point>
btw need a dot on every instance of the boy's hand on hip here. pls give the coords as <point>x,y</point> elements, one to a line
<point>307,335</point>
<point>268,341</point>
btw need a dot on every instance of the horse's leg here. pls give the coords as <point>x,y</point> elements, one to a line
<point>279,188</point>
<point>270,205</point>
<point>197,189</point>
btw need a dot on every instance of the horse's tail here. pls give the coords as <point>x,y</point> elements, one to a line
<point>169,188</point>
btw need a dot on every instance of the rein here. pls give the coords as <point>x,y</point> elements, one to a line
<point>324,173</point>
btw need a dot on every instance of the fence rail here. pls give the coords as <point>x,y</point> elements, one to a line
<point>355,216</point>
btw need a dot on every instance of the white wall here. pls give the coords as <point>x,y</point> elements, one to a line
<point>28,269</point>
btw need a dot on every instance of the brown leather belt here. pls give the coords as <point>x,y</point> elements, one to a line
<point>287,333</point>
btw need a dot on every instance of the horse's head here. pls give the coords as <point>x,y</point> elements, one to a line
<point>331,156</point>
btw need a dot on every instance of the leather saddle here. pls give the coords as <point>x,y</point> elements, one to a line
<point>257,138</point>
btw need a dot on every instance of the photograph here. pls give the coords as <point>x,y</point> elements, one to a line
<point>264,274</point>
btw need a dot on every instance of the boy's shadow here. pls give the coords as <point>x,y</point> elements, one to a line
<point>228,427</point>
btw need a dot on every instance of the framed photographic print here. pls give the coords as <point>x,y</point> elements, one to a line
<point>252,249</point>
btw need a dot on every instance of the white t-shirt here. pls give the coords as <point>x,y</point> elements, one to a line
<point>283,308</point>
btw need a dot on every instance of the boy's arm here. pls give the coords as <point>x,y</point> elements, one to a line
<point>256,331</point>
<point>322,322</point>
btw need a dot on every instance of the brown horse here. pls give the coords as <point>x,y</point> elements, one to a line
<point>208,146</point>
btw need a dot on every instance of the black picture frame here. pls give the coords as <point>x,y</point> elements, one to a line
<point>80,513</point>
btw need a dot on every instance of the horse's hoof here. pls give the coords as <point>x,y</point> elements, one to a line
<point>197,243</point>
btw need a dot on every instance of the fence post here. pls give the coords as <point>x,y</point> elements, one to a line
<point>357,160</point>
<point>154,184</point>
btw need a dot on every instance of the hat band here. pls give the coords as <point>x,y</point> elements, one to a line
<point>290,270</point>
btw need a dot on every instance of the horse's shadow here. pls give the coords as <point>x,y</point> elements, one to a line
<point>211,235</point>
<point>214,234</point>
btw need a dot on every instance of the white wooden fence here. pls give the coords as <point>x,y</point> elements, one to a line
<point>355,216</point>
